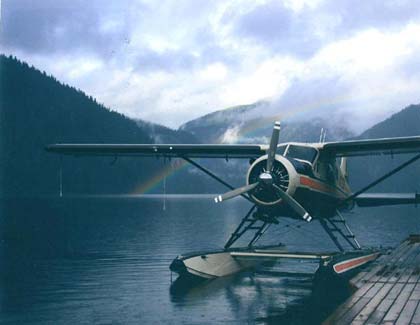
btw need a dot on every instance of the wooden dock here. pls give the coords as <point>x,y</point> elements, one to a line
<point>387,292</point>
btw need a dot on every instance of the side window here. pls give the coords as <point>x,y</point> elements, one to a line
<point>332,170</point>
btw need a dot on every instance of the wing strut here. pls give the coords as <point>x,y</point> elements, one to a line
<point>212,175</point>
<point>384,177</point>
<point>336,227</point>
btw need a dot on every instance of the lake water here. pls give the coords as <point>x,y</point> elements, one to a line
<point>103,260</point>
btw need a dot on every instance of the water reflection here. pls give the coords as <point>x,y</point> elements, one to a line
<point>264,295</point>
<point>98,260</point>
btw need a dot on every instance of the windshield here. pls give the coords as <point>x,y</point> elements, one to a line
<point>301,152</point>
<point>280,149</point>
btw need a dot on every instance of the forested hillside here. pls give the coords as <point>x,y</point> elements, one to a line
<point>37,110</point>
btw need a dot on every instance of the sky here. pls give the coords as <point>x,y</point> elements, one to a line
<point>171,61</point>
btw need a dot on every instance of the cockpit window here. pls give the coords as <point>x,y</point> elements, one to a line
<point>280,149</point>
<point>302,153</point>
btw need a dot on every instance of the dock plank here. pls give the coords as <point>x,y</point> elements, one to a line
<point>416,292</point>
<point>388,290</point>
<point>395,268</point>
<point>407,313</point>
<point>385,294</point>
<point>380,266</point>
<point>399,303</point>
<point>370,307</point>
<point>354,304</point>
<point>390,301</point>
<point>379,312</point>
<point>377,265</point>
<point>416,317</point>
<point>415,276</point>
<point>404,263</point>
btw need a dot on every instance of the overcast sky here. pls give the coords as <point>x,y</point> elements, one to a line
<point>169,61</point>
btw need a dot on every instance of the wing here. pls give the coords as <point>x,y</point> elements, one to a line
<point>379,199</point>
<point>165,150</point>
<point>373,147</point>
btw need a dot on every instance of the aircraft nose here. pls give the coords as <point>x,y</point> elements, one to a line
<point>266,178</point>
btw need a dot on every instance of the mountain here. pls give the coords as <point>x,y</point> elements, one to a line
<point>162,134</point>
<point>36,110</point>
<point>253,124</point>
<point>366,169</point>
<point>211,127</point>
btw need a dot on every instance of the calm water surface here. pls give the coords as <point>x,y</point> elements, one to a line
<point>102,260</point>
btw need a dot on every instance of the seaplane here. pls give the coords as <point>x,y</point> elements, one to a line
<point>302,181</point>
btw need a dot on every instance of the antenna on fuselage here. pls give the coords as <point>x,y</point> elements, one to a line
<point>323,135</point>
<point>320,136</point>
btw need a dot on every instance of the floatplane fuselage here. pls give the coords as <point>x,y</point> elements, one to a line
<point>319,183</point>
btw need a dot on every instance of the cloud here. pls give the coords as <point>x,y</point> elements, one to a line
<point>280,28</point>
<point>231,135</point>
<point>364,78</point>
<point>381,14</point>
<point>48,26</point>
<point>303,29</point>
<point>172,61</point>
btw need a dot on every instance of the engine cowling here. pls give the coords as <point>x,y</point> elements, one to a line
<point>283,175</point>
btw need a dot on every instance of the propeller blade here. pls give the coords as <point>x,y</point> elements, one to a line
<point>235,192</point>
<point>293,204</point>
<point>273,145</point>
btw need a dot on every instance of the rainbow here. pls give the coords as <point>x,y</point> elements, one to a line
<point>154,181</point>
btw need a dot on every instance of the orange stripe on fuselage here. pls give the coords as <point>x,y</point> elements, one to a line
<point>319,186</point>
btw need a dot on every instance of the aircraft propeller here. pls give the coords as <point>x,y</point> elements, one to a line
<point>266,180</point>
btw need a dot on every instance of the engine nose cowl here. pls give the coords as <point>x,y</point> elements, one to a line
<point>280,176</point>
